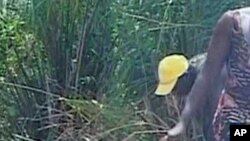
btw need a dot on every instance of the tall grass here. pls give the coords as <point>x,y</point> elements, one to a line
<point>78,69</point>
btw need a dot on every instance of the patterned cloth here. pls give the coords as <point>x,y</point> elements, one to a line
<point>234,103</point>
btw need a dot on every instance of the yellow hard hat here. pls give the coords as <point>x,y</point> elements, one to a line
<point>169,70</point>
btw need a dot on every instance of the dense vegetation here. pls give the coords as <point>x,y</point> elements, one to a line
<point>86,69</point>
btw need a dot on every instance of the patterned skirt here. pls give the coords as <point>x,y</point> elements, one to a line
<point>228,112</point>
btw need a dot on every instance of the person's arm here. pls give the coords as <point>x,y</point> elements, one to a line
<point>218,50</point>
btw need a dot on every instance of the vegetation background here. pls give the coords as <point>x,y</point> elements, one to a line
<point>80,70</point>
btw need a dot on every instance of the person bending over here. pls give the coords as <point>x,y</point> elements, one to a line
<point>230,47</point>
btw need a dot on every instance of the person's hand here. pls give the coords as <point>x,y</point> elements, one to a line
<point>165,138</point>
<point>178,129</point>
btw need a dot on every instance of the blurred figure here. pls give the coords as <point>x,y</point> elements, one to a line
<point>184,85</point>
<point>229,46</point>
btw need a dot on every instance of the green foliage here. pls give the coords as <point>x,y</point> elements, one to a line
<point>10,37</point>
<point>20,63</point>
<point>86,109</point>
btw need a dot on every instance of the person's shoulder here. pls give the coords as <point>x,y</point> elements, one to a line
<point>226,19</point>
<point>245,10</point>
<point>229,14</point>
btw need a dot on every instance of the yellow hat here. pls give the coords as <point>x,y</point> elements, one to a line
<point>169,70</point>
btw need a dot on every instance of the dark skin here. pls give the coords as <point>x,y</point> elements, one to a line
<point>184,85</point>
<point>218,51</point>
